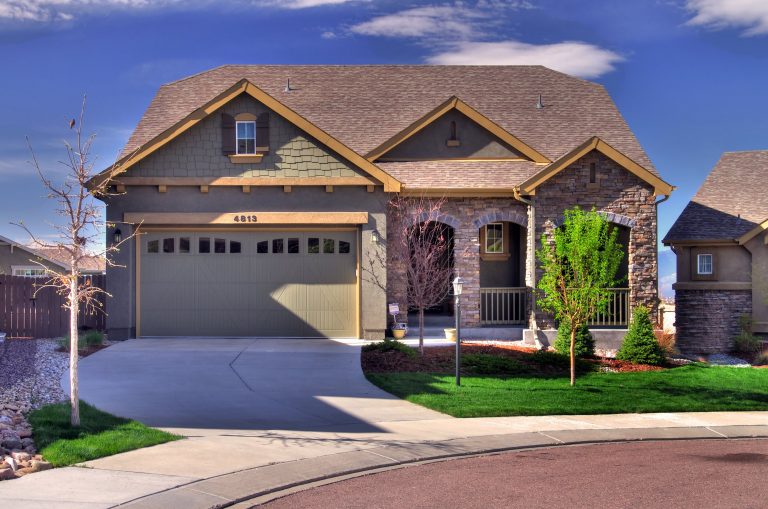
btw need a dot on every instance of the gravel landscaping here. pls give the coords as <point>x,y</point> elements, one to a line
<point>30,370</point>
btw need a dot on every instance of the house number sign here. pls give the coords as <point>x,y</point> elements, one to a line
<point>244,218</point>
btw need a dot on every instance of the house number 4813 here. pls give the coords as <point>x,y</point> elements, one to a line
<point>245,219</point>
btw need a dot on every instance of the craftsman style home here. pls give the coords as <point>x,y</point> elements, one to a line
<point>260,194</point>
<point>721,243</point>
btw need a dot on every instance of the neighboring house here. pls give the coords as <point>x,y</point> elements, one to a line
<point>262,195</point>
<point>19,260</point>
<point>721,244</point>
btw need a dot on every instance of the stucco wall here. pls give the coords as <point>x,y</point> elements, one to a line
<point>197,152</point>
<point>732,263</point>
<point>430,143</point>
<point>624,198</point>
<point>759,250</point>
<point>121,321</point>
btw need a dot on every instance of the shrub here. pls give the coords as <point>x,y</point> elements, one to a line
<point>668,343</point>
<point>746,343</point>
<point>761,359</point>
<point>484,364</point>
<point>389,345</point>
<point>640,344</point>
<point>585,343</point>
<point>90,338</point>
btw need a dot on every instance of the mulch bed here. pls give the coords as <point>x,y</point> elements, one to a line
<point>442,360</point>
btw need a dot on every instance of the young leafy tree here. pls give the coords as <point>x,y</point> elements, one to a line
<point>580,261</point>
<point>423,248</point>
<point>79,233</point>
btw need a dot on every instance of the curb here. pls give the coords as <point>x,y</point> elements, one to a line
<point>259,485</point>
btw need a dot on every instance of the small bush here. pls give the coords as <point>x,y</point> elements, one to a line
<point>585,343</point>
<point>668,343</point>
<point>389,345</point>
<point>84,340</point>
<point>484,364</point>
<point>640,344</point>
<point>761,359</point>
<point>746,343</point>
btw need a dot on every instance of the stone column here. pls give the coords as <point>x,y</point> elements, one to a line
<point>466,263</point>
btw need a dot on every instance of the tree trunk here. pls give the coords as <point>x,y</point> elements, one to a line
<point>421,330</point>
<point>573,356</point>
<point>74,397</point>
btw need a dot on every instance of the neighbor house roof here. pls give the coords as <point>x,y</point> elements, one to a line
<point>729,204</point>
<point>90,263</point>
<point>366,107</point>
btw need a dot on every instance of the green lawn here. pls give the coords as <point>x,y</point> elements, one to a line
<point>690,388</point>
<point>100,434</point>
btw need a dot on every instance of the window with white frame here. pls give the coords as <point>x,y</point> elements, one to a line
<point>704,262</point>
<point>246,137</point>
<point>494,238</point>
<point>28,271</point>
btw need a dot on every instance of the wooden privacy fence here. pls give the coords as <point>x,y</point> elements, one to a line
<point>26,314</point>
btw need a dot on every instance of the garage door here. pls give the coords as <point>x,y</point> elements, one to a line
<point>287,284</point>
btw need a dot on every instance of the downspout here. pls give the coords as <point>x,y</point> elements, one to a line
<point>530,276</point>
<point>658,297</point>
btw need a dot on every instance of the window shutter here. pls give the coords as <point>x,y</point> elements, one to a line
<point>262,132</point>
<point>228,140</point>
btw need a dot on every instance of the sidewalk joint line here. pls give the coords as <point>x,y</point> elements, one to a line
<point>380,455</point>
<point>716,432</point>
<point>550,437</point>
<point>211,494</point>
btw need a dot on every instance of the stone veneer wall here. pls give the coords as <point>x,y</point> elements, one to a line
<point>706,321</point>
<point>625,199</point>
<point>466,216</point>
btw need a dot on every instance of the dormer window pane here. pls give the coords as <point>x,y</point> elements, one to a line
<point>246,137</point>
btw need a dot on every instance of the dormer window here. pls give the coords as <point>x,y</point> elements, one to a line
<point>246,137</point>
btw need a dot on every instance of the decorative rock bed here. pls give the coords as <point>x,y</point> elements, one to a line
<point>30,371</point>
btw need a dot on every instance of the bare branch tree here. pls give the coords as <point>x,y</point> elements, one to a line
<point>79,233</point>
<point>423,247</point>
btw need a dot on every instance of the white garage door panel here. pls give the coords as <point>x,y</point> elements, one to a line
<point>305,294</point>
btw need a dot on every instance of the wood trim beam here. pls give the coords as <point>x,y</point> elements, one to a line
<point>251,218</point>
<point>660,187</point>
<point>459,193</point>
<point>244,86</point>
<point>754,232</point>
<point>457,104</point>
<point>246,181</point>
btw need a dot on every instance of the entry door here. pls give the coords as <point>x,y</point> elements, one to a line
<point>276,284</point>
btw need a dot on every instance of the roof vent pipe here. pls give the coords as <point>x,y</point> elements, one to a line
<point>288,86</point>
<point>540,103</point>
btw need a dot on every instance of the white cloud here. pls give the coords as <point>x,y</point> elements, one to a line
<point>444,21</point>
<point>44,11</point>
<point>571,57</point>
<point>752,15</point>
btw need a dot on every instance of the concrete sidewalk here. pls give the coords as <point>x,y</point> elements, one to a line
<point>220,468</point>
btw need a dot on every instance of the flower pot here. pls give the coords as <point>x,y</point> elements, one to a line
<point>398,333</point>
<point>450,334</point>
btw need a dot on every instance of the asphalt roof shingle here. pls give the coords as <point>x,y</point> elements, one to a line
<point>731,201</point>
<point>364,106</point>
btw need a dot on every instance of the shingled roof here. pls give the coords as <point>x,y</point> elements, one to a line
<point>365,106</point>
<point>731,201</point>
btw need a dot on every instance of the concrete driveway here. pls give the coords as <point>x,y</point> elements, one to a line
<point>241,384</point>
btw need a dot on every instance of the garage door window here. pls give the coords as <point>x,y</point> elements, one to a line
<point>343,247</point>
<point>277,246</point>
<point>219,246</point>
<point>153,246</point>
<point>293,246</point>
<point>204,245</point>
<point>262,247</point>
<point>169,245</point>
<point>235,247</point>
<point>184,245</point>
<point>329,246</point>
<point>313,245</point>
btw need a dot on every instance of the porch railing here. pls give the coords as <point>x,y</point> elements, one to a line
<point>503,306</point>
<point>616,313</point>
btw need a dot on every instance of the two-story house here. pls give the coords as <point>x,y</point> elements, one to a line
<point>261,193</point>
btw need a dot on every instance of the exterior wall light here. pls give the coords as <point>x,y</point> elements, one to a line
<point>117,236</point>
<point>375,237</point>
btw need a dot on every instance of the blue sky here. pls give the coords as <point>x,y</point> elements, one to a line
<point>690,76</point>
